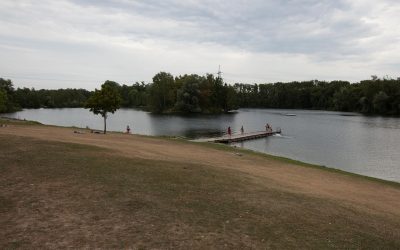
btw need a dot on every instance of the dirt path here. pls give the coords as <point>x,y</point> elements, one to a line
<point>373,197</point>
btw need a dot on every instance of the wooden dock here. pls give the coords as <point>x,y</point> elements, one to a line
<point>240,137</point>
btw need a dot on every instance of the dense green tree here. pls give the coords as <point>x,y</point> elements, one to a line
<point>205,89</point>
<point>104,101</point>
<point>380,102</point>
<point>136,97</point>
<point>7,86</point>
<point>3,101</point>
<point>218,96</point>
<point>161,92</point>
<point>231,99</point>
<point>188,96</point>
<point>7,99</point>
<point>347,99</point>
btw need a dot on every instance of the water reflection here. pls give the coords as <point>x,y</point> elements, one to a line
<point>193,126</point>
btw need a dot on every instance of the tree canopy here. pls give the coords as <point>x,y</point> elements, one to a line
<point>3,101</point>
<point>161,92</point>
<point>104,101</point>
<point>7,103</point>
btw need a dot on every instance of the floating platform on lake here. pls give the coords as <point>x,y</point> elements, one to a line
<point>240,137</point>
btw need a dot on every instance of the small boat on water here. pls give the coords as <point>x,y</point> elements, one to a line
<point>290,114</point>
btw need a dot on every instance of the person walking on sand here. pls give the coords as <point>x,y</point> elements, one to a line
<point>128,129</point>
<point>242,130</point>
<point>229,131</point>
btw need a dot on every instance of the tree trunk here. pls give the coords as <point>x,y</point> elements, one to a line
<point>105,123</point>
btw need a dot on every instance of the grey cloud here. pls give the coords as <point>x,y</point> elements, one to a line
<point>104,32</point>
<point>305,26</point>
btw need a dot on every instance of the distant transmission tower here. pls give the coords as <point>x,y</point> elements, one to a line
<point>219,72</point>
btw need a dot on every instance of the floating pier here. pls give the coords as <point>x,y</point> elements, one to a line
<point>241,137</point>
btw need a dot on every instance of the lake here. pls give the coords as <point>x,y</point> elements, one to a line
<point>347,141</point>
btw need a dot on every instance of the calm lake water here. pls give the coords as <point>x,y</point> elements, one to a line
<point>347,141</point>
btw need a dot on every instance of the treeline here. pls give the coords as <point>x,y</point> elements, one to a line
<point>61,98</point>
<point>15,99</point>
<point>166,94</point>
<point>182,94</point>
<point>375,96</point>
<point>209,94</point>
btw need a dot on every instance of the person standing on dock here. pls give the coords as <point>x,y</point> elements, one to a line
<point>229,131</point>
<point>242,130</point>
<point>268,128</point>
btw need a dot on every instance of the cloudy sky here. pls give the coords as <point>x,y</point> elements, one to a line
<point>81,43</point>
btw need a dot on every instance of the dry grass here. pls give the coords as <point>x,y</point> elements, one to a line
<point>55,194</point>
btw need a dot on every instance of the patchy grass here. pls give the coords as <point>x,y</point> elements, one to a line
<point>225,147</point>
<point>68,195</point>
<point>13,121</point>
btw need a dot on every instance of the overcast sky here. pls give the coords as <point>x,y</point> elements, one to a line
<point>82,43</point>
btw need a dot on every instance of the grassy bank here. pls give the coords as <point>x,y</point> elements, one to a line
<point>223,147</point>
<point>236,150</point>
<point>298,163</point>
<point>67,195</point>
<point>14,121</point>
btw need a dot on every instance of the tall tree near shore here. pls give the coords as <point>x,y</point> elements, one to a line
<point>3,101</point>
<point>104,101</point>
<point>188,96</point>
<point>161,92</point>
<point>6,96</point>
